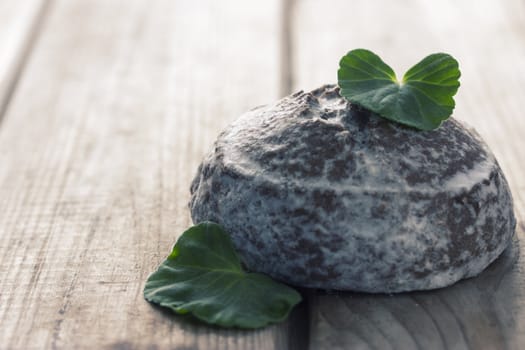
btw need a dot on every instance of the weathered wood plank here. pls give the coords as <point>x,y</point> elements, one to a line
<point>479,313</point>
<point>118,103</point>
<point>19,25</point>
<point>488,38</point>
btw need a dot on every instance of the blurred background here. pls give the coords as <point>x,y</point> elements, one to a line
<point>187,68</point>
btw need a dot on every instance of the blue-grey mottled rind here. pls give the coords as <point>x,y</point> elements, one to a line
<point>317,192</point>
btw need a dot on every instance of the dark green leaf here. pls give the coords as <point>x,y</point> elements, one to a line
<point>203,276</point>
<point>423,98</point>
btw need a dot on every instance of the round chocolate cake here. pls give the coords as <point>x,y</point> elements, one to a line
<point>320,193</point>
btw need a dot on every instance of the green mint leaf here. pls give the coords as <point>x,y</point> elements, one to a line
<point>423,99</point>
<point>203,276</point>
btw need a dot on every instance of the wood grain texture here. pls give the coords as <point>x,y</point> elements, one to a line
<point>119,100</point>
<point>118,103</point>
<point>488,39</point>
<point>19,25</point>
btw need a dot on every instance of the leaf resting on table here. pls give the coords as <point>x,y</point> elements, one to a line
<point>203,276</point>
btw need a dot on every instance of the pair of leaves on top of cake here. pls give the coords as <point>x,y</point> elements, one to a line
<point>423,99</point>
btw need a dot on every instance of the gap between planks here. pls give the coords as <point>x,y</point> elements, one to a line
<point>299,319</point>
<point>286,47</point>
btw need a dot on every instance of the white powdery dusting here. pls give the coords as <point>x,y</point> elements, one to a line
<point>319,193</point>
<point>464,180</point>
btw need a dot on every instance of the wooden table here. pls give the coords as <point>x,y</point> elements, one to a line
<point>108,106</point>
